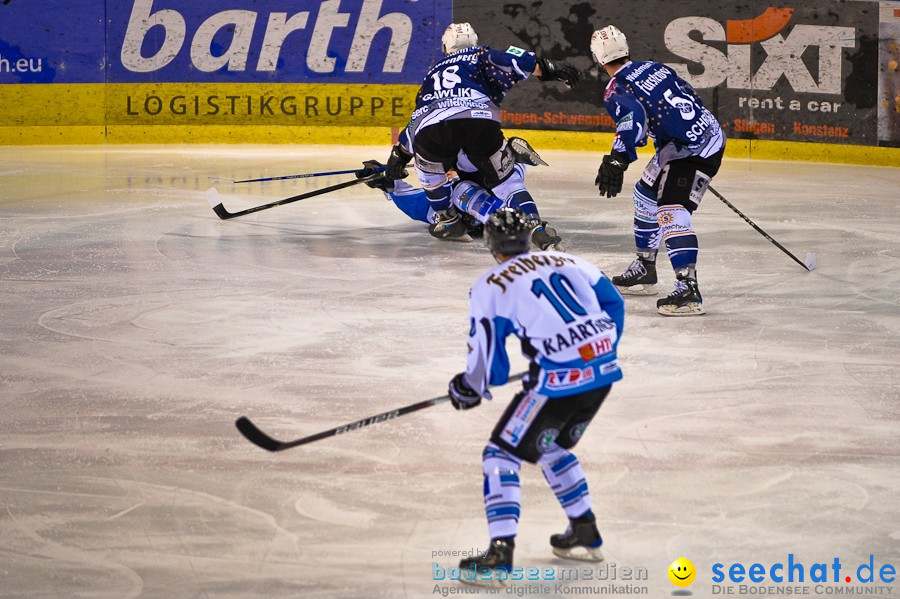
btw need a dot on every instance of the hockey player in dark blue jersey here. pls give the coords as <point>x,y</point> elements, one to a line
<point>457,109</point>
<point>649,99</point>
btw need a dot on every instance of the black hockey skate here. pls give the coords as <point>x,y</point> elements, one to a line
<point>545,237</point>
<point>490,568</point>
<point>685,300</point>
<point>638,279</point>
<point>524,153</point>
<point>380,182</point>
<point>581,541</point>
<point>448,225</point>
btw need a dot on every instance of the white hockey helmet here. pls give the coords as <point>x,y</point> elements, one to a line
<point>458,36</point>
<point>608,44</point>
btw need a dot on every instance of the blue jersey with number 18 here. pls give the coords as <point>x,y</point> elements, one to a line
<point>567,314</point>
<point>470,83</point>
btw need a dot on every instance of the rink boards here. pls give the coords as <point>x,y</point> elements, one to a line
<point>301,71</point>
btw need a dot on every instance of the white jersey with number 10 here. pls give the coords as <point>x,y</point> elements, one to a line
<point>567,314</point>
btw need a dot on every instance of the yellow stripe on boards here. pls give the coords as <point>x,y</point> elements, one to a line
<point>275,104</point>
<point>175,113</point>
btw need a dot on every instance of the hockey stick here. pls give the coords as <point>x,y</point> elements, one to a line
<point>261,439</point>
<point>808,264</point>
<point>306,176</point>
<point>215,201</point>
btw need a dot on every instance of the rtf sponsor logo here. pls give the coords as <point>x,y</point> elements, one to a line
<point>784,51</point>
<point>570,377</point>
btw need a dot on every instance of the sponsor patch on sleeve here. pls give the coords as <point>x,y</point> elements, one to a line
<point>515,51</point>
<point>626,123</point>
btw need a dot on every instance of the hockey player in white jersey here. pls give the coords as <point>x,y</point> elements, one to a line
<point>649,99</point>
<point>569,319</point>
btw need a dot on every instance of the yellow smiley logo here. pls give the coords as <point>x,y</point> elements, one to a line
<point>682,572</point>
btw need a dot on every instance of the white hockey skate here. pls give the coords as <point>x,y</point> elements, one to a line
<point>524,152</point>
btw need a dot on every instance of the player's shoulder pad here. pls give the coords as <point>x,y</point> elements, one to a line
<point>515,51</point>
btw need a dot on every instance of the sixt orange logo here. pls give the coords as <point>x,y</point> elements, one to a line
<point>784,52</point>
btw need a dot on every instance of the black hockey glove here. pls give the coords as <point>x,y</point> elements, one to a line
<point>462,396</point>
<point>381,182</point>
<point>396,164</point>
<point>559,70</point>
<point>611,174</point>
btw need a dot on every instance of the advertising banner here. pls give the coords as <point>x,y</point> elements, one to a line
<point>252,62</point>
<point>53,41</point>
<point>802,71</point>
<point>284,41</point>
<point>273,62</point>
<point>889,75</point>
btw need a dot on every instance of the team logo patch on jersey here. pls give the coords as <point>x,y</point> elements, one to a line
<point>515,51</point>
<point>596,347</point>
<point>481,114</point>
<point>569,377</point>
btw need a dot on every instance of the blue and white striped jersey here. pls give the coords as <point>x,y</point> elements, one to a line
<point>648,98</point>
<point>470,83</point>
<point>567,314</point>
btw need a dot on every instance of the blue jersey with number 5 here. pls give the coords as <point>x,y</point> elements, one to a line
<point>648,98</point>
<point>567,314</point>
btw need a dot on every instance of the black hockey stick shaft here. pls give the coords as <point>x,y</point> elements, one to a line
<point>304,176</point>
<point>755,226</point>
<point>261,439</point>
<point>213,197</point>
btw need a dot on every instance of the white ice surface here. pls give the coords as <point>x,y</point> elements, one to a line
<point>135,326</point>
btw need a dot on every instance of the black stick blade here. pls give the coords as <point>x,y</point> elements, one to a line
<point>256,436</point>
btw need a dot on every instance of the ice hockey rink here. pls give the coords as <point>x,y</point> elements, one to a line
<point>136,326</point>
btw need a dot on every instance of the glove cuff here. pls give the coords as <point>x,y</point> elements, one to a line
<point>621,158</point>
<point>406,154</point>
<point>547,67</point>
